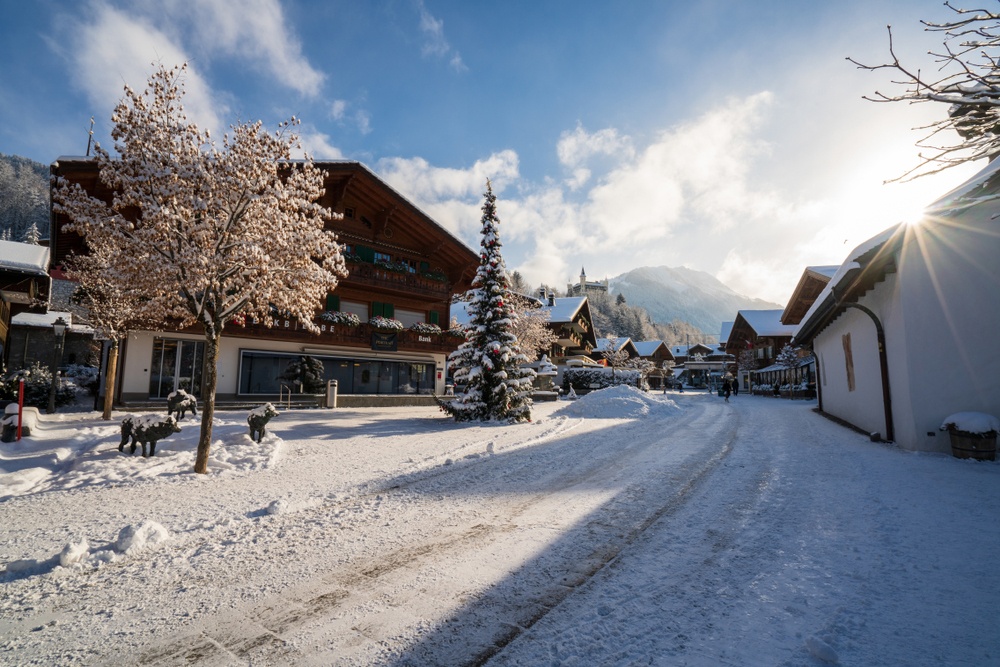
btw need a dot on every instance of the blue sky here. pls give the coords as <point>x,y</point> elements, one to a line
<point>724,135</point>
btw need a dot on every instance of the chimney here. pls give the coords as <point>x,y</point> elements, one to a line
<point>552,298</point>
<point>541,293</point>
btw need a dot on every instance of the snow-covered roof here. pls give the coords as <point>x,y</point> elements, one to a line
<point>603,343</point>
<point>829,270</point>
<point>44,320</point>
<point>727,328</point>
<point>767,322</point>
<point>24,257</point>
<point>565,308</point>
<point>679,350</point>
<point>647,348</point>
<point>850,264</point>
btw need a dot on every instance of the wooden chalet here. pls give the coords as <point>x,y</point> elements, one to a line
<point>402,266</point>
<point>656,352</point>
<point>24,287</point>
<point>569,318</point>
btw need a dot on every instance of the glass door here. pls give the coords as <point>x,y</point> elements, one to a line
<point>176,364</point>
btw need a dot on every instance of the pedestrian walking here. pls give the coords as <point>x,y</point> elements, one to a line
<point>726,391</point>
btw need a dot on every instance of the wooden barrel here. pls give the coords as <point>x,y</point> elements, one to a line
<point>976,446</point>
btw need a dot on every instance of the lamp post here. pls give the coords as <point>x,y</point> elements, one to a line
<point>59,329</point>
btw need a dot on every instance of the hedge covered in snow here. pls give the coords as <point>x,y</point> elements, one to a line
<point>587,379</point>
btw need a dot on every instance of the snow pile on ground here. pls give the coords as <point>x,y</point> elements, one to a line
<point>78,554</point>
<point>58,456</point>
<point>619,402</point>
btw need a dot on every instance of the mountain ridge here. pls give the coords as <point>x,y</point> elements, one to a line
<point>685,294</point>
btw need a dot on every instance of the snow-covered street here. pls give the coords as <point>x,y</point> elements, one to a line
<point>625,528</point>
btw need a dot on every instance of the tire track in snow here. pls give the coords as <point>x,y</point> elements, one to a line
<point>354,610</point>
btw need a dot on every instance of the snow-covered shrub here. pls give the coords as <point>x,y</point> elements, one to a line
<point>340,317</point>
<point>307,372</point>
<point>84,377</point>
<point>425,328</point>
<point>386,323</point>
<point>37,383</point>
<point>599,378</point>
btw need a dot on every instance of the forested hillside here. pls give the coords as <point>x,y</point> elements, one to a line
<point>24,198</point>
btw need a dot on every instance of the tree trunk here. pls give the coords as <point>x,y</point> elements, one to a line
<point>110,376</point>
<point>208,404</point>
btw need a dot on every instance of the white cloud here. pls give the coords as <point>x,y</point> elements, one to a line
<point>254,31</point>
<point>317,144</point>
<point>435,44</point>
<point>337,109</point>
<point>427,184</point>
<point>110,48</point>
<point>576,147</point>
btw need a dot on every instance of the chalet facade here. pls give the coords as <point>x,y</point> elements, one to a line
<point>402,265</point>
<point>656,352</point>
<point>569,318</point>
<point>761,331</point>
<point>24,288</point>
<point>904,333</point>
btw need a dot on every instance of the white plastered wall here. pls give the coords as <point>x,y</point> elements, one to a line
<point>950,295</point>
<point>862,407</point>
<point>135,380</point>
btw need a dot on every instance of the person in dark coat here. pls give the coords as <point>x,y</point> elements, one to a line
<point>736,388</point>
<point>726,391</point>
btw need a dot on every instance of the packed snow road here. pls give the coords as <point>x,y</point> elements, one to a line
<point>623,528</point>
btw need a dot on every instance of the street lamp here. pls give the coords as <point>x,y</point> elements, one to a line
<point>59,329</point>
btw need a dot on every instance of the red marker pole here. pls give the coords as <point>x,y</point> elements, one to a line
<point>20,405</point>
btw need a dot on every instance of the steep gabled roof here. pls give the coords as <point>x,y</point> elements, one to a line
<point>647,348</point>
<point>810,285</point>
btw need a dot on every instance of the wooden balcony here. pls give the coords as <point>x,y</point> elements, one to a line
<point>346,336</point>
<point>372,275</point>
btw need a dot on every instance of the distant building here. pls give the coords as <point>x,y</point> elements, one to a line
<point>585,286</point>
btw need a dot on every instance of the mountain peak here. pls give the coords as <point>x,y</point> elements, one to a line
<point>680,293</point>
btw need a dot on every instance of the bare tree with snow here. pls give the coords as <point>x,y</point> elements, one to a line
<point>967,80</point>
<point>206,233</point>
<point>531,328</point>
<point>113,306</point>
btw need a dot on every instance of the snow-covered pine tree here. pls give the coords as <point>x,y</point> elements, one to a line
<point>32,235</point>
<point>788,358</point>
<point>488,364</point>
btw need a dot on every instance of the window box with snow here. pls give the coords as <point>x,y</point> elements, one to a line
<point>381,323</point>
<point>340,317</point>
<point>973,435</point>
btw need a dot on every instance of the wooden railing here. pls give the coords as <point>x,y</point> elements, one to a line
<point>362,273</point>
<point>348,336</point>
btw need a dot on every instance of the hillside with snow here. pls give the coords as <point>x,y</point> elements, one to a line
<point>695,297</point>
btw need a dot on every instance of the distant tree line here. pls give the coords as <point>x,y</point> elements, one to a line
<point>24,199</point>
<point>614,316</point>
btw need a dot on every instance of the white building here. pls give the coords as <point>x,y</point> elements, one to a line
<point>904,331</point>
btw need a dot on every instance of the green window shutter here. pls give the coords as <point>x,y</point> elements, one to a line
<point>433,317</point>
<point>377,309</point>
<point>389,310</point>
<point>332,302</point>
<point>425,267</point>
<point>366,254</point>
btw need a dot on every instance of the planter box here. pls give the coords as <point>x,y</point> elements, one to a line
<point>975,446</point>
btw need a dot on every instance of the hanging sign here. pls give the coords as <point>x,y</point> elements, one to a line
<point>384,342</point>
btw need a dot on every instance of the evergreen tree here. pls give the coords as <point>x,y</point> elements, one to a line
<point>32,235</point>
<point>487,364</point>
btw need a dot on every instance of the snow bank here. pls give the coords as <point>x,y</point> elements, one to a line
<point>619,402</point>
<point>971,422</point>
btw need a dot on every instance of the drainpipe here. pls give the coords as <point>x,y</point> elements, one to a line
<point>883,362</point>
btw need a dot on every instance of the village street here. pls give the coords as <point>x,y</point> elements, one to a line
<point>623,528</point>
